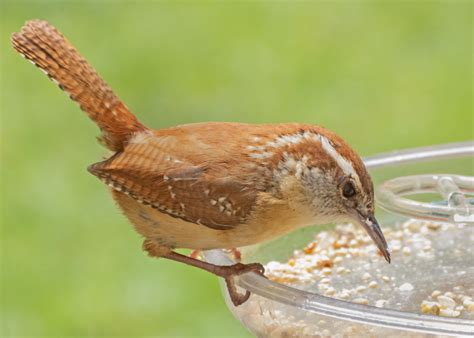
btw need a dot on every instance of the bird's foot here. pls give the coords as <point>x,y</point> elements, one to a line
<point>231,271</point>
<point>228,272</point>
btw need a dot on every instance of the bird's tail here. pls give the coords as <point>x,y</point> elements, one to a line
<point>48,49</point>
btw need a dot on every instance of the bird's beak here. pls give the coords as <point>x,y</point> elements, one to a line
<point>372,227</point>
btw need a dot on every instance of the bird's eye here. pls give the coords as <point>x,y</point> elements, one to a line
<point>348,190</point>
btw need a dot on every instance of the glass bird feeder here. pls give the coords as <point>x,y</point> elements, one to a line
<point>424,195</point>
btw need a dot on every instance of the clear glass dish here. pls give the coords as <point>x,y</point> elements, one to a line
<point>271,301</point>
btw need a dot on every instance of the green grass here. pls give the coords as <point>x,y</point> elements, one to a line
<point>384,75</point>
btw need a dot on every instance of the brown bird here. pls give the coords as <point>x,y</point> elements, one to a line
<point>210,185</point>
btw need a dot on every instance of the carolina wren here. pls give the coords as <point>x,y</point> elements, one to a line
<point>210,185</point>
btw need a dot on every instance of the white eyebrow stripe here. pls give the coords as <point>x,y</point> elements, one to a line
<point>296,138</point>
<point>343,163</point>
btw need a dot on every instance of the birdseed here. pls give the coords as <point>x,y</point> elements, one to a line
<point>343,263</point>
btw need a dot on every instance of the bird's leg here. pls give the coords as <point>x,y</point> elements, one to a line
<point>235,254</point>
<point>225,271</point>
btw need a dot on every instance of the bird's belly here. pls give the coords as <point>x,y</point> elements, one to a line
<point>173,232</point>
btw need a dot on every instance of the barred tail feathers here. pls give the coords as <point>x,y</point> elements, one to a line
<point>48,49</point>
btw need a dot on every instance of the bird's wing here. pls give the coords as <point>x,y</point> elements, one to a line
<point>180,187</point>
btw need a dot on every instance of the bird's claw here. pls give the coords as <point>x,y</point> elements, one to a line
<point>237,270</point>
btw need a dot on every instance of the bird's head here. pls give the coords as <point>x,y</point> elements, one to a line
<point>332,179</point>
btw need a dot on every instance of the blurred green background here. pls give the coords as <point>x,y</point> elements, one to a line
<point>385,75</point>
